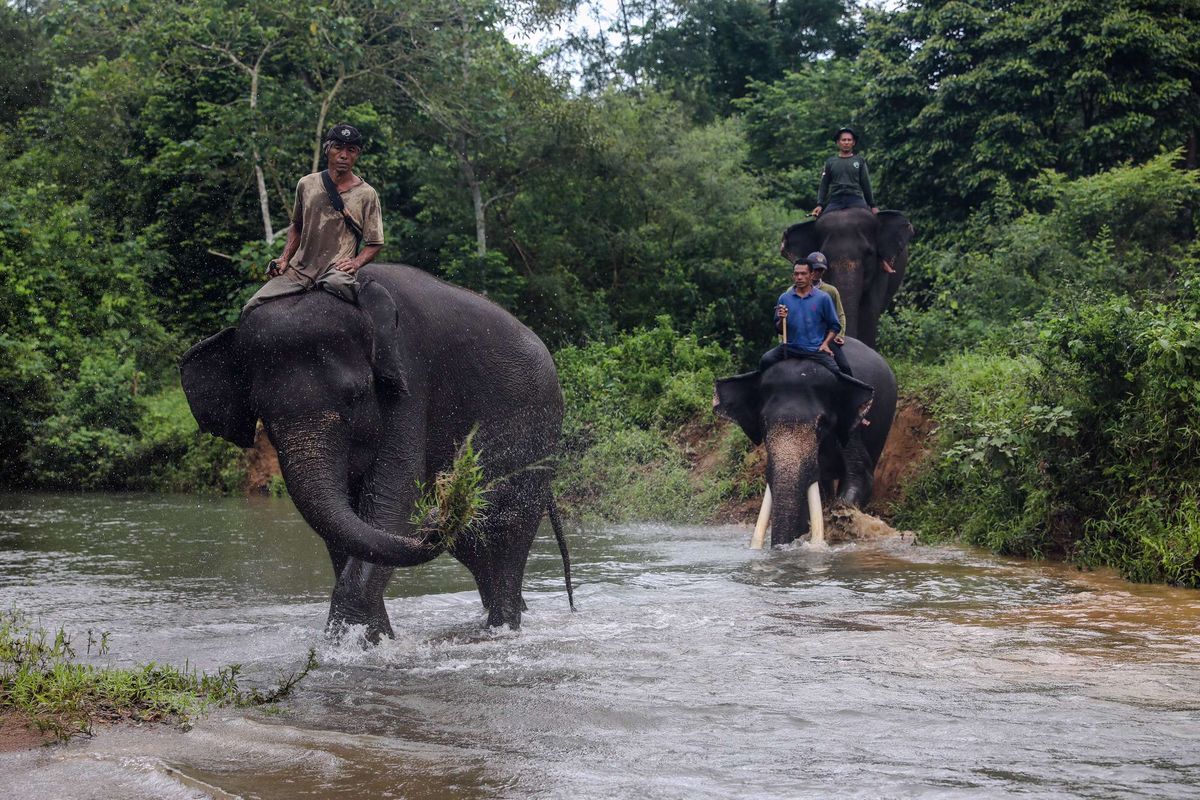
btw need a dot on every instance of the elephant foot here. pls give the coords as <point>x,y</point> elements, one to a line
<point>506,613</point>
<point>339,626</point>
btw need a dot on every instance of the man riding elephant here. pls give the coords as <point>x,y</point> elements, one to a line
<point>335,213</point>
<point>845,178</point>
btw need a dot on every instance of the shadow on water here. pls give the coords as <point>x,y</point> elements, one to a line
<point>694,667</point>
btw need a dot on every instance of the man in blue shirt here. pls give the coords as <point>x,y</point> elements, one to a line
<point>811,321</point>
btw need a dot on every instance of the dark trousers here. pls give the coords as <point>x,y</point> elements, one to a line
<point>845,201</point>
<point>777,354</point>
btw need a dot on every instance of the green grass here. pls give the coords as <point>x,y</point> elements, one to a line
<point>455,501</point>
<point>41,678</point>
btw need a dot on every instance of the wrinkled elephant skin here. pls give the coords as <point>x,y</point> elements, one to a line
<point>817,429</point>
<point>364,402</point>
<point>855,241</point>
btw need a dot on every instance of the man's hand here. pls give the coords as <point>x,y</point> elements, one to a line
<point>275,269</point>
<point>874,210</point>
<point>824,348</point>
<point>816,212</point>
<point>839,340</point>
<point>347,265</point>
<point>781,309</point>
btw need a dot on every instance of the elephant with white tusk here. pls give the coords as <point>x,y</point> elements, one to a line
<point>818,428</point>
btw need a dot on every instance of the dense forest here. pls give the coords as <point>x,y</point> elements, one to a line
<point>623,193</point>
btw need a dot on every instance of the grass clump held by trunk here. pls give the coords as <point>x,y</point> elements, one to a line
<point>42,680</point>
<point>455,501</point>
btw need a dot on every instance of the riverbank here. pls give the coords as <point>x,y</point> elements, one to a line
<point>48,692</point>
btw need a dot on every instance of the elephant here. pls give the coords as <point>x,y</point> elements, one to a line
<point>817,427</point>
<point>365,402</point>
<point>855,241</point>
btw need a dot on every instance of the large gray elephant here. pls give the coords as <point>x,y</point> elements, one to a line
<point>364,402</point>
<point>855,241</point>
<point>817,427</point>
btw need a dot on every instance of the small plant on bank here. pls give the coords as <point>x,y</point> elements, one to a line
<point>455,501</point>
<point>41,680</point>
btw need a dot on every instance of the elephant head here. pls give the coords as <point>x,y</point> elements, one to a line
<point>326,378</point>
<point>855,242</point>
<point>806,416</point>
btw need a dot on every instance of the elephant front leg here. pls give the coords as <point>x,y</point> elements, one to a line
<point>358,600</point>
<point>858,478</point>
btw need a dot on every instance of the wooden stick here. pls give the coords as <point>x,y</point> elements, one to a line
<point>764,520</point>
<point>816,518</point>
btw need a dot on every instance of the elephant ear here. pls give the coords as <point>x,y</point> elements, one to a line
<point>738,399</point>
<point>377,301</point>
<point>217,389</point>
<point>799,240</point>
<point>856,402</point>
<point>895,232</point>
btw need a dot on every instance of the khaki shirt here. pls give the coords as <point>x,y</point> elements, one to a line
<point>837,304</point>
<point>325,238</point>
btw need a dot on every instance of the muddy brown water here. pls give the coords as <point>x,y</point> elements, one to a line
<point>694,668</point>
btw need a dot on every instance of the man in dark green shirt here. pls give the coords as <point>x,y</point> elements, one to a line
<point>845,180</point>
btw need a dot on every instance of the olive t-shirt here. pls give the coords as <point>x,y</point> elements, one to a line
<point>325,238</point>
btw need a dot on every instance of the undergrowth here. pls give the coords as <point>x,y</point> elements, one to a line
<point>42,679</point>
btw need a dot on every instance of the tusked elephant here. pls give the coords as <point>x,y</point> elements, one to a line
<point>365,401</point>
<point>813,426</point>
<point>855,241</point>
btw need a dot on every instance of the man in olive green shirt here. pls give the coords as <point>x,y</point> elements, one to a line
<point>322,248</point>
<point>819,265</point>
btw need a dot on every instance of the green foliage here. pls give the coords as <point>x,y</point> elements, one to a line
<point>455,502</point>
<point>41,677</point>
<point>625,456</point>
<point>972,97</point>
<point>706,52</point>
<point>790,123</point>
<point>1087,449</point>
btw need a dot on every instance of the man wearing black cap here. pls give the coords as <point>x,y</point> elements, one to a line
<point>335,213</point>
<point>845,181</point>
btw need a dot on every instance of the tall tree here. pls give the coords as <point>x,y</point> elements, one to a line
<point>971,97</point>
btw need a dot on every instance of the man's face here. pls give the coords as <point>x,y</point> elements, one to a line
<point>817,275</point>
<point>802,276</point>
<point>342,157</point>
<point>846,143</point>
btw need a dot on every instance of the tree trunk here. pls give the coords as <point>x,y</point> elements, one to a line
<point>264,200</point>
<point>323,115</point>
<point>473,186</point>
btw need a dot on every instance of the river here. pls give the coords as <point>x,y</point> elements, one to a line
<point>693,668</point>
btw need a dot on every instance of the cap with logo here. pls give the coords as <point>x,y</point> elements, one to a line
<point>346,134</point>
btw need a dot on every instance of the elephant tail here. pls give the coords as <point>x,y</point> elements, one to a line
<point>556,523</point>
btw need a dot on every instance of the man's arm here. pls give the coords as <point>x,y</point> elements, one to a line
<point>841,313</point>
<point>364,257</point>
<point>289,249</point>
<point>832,326</point>
<point>822,190</point>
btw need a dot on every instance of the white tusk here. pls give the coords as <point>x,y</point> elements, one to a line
<point>816,519</point>
<point>764,520</point>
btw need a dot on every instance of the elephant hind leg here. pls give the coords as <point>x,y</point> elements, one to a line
<point>500,553</point>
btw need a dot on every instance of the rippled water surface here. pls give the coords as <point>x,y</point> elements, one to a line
<point>694,667</point>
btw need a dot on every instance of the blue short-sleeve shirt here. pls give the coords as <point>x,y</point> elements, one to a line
<point>809,318</point>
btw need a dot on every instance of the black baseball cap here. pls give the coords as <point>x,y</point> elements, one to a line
<point>346,134</point>
<point>846,129</point>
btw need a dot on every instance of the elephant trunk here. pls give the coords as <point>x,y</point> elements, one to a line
<point>791,469</point>
<point>314,456</point>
